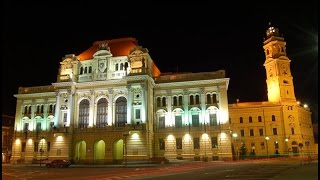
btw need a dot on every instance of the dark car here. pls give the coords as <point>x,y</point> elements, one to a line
<point>58,163</point>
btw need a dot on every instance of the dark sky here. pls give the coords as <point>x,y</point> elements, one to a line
<point>180,36</point>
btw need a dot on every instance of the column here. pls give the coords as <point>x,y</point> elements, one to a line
<point>203,106</point>
<point>91,109</point>
<point>57,110</point>
<point>129,104</point>
<point>143,103</point>
<point>185,107</point>
<point>110,107</point>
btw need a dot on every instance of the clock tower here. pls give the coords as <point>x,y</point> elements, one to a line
<point>277,64</point>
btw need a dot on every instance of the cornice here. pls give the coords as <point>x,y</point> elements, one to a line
<point>45,94</point>
<point>193,83</point>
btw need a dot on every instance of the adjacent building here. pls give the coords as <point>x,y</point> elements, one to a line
<point>281,125</point>
<point>7,137</point>
<point>111,104</point>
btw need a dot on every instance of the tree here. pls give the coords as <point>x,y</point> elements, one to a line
<point>243,150</point>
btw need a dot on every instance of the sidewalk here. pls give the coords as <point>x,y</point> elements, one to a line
<point>301,172</point>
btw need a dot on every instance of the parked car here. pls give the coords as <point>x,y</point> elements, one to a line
<point>58,163</point>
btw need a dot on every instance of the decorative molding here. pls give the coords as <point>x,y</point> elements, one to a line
<point>193,83</point>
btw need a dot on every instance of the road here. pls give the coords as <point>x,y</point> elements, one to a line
<point>244,170</point>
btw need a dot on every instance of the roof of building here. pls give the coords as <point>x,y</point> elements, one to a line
<point>7,121</point>
<point>118,47</point>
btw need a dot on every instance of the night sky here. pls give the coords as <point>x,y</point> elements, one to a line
<point>183,37</point>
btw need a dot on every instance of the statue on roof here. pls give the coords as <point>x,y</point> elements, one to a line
<point>104,46</point>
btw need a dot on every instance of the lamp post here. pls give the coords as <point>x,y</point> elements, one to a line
<point>41,150</point>
<point>267,139</point>
<point>125,134</point>
<point>286,146</point>
<point>235,135</point>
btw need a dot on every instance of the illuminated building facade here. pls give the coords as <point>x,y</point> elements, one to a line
<point>112,104</point>
<point>280,125</point>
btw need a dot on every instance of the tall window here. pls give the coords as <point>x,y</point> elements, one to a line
<point>196,143</point>
<point>250,119</point>
<point>292,130</point>
<point>90,69</point>
<point>38,109</point>
<point>138,114</point>
<point>162,145</point>
<point>214,142</point>
<point>191,100</point>
<point>117,67</point>
<point>273,118</point>
<point>275,131</point>
<point>162,122</point>
<point>175,101</point>
<point>208,99</point>
<point>180,100</point>
<point>259,119</point>
<point>261,132</point>
<point>242,132</point>
<point>85,70</point>
<point>164,102</point>
<point>26,127</point>
<point>241,119</point>
<point>121,112</point>
<point>179,143</point>
<point>214,98</point>
<point>25,109</point>
<point>102,113</point>
<point>38,129</point>
<point>83,113</point>
<point>178,121</point>
<point>197,99</point>
<point>41,109</point>
<point>251,132</point>
<point>158,102</point>
<point>121,66</point>
<point>213,119</point>
<point>29,110</point>
<point>81,70</point>
<point>195,120</point>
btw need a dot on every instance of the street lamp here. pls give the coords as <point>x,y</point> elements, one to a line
<point>41,150</point>
<point>267,139</point>
<point>286,143</point>
<point>125,134</point>
<point>235,135</point>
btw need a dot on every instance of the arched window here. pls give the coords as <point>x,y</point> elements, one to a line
<point>85,70</point>
<point>158,102</point>
<point>121,66</point>
<point>53,108</point>
<point>41,108</point>
<point>121,112</point>
<point>259,119</point>
<point>81,70</point>
<point>90,69</point>
<point>197,99</point>
<point>29,111</point>
<point>84,113</point>
<point>214,98</point>
<point>175,101</point>
<point>273,118</point>
<point>164,101</point>
<point>250,119</point>
<point>25,109</point>
<point>102,113</point>
<point>50,108</point>
<point>117,67</point>
<point>241,119</point>
<point>38,109</point>
<point>191,100</point>
<point>180,100</point>
<point>208,99</point>
<point>125,66</point>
